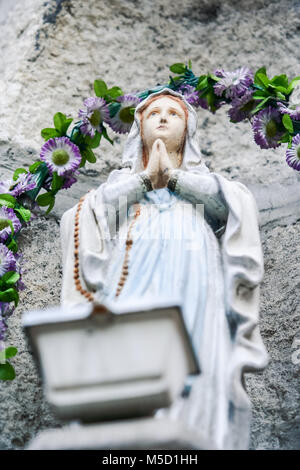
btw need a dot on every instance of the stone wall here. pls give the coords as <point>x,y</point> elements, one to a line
<point>51,53</point>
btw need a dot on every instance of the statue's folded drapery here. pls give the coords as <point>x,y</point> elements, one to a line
<point>230,342</point>
<point>222,306</point>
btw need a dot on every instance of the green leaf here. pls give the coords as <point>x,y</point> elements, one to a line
<point>93,142</point>
<point>66,126</point>
<point>89,155</point>
<point>280,80</point>
<point>190,64</point>
<point>9,295</point>
<point>57,182</point>
<point>280,95</point>
<point>10,278</point>
<point>260,93</point>
<point>260,105</point>
<point>203,83</point>
<point>59,120</point>
<point>214,77</point>
<point>292,84</point>
<point>34,166</point>
<point>287,122</point>
<point>285,138</point>
<point>261,70</point>
<point>17,172</point>
<point>258,97</point>
<point>113,93</point>
<point>44,199</point>
<point>49,133</point>
<point>278,88</point>
<point>24,213</point>
<point>100,88</point>
<point>263,79</point>
<point>51,205</point>
<point>9,222</point>
<point>211,99</point>
<point>7,372</point>
<point>83,160</point>
<point>11,351</point>
<point>7,200</point>
<point>2,356</point>
<point>105,135</point>
<point>13,246</point>
<point>178,68</point>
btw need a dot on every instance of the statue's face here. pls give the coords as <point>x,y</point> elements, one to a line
<point>164,119</point>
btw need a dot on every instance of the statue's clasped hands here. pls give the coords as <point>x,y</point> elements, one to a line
<point>159,165</point>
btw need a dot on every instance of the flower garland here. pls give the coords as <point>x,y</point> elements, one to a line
<point>272,107</point>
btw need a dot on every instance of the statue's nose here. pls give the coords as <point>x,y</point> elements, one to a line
<point>163,119</point>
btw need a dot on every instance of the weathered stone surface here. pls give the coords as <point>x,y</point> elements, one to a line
<point>51,52</point>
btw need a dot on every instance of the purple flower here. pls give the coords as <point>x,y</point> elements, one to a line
<point>123,120</point>
<point>265,128</point>
<point>69,180</point>
<point>242,106</point>
<point>20,269</point>
<point>7,215</point>
<point>235,84</point>
<point>60,155</point>
<point>293,153</point>
<point>92,117</point>
<point>192,96</point>
<point>293,111</point>
<point>7,260</point>
<point>20,186</point>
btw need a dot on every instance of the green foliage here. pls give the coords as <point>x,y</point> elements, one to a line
<point>287,122</point>
<point>105,135</point>
<point>46,199</point>
<point>61,123</point>
<point>100,88</point>
<point>24,214</point>
<point>89,155</point>
<point>93,142</point>
<point>7,372</point>
<point>9,279</point>
<point>178,68</point>
<point>113,93</point>
<point>49,133</point>
<point>292,85</point>
<point>57,182</point>
<point>13,246</point>
<point>7,200</point>
<point>33,168</point>
<point>9,295</point>
<point>18,172</point>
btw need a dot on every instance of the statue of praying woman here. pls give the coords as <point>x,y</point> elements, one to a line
<point>215,273</point>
